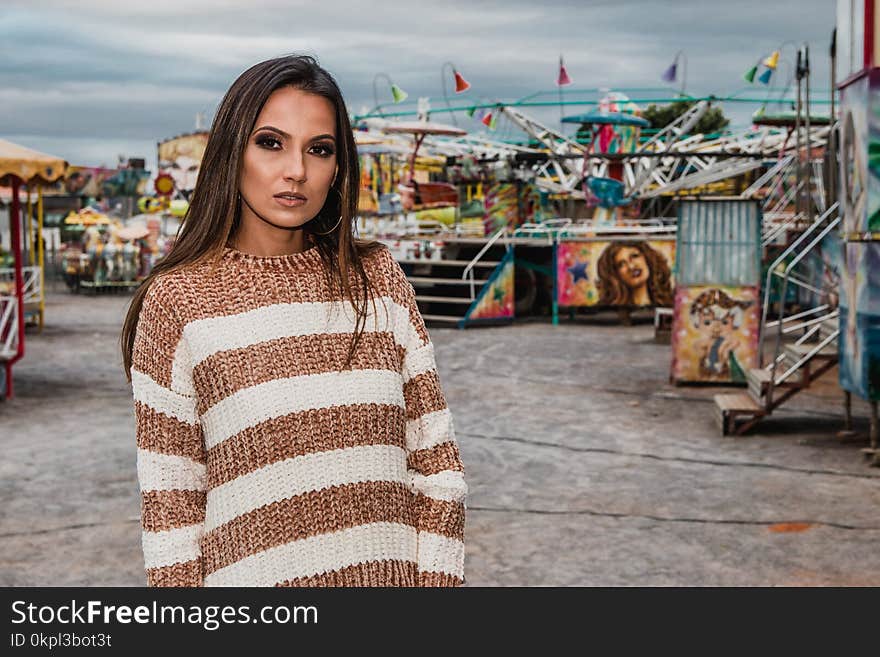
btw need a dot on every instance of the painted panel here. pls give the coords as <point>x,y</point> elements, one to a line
<point>181,157</point>
<point>496,299</point>
<point>715,333</point>
<point>872,216</point>
<point>501,207</point>
<point>854,136</point>
<point>510,204</point>
<point>605,273</point>
<point>859,343</point>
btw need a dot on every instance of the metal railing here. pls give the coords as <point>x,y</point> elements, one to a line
<point>803,359</point>
<point>772,271</point>
<point>823,227</point>
<point>468,273</point>
<point>8,327</point>
<point>31,288</point>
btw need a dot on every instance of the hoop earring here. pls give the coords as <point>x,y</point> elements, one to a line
<point>339,221</point>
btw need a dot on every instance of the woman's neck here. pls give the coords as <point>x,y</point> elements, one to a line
<point>640,296</point>
<point>265,246</point>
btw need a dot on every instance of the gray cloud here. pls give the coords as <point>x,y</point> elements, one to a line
<point>91,71</point>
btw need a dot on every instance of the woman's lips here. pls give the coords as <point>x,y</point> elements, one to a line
<point>290,201</point>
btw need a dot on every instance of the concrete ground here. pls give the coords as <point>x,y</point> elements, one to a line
<point>585,466</point>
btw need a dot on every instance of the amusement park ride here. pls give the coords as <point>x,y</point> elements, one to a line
<point>733,240</point>
<point>739,227</point>
<point>21,288</point>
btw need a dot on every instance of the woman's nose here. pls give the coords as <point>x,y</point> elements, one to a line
<point>295,168</point>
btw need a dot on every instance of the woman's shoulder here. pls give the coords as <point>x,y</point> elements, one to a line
<point>374,254</point>
<point>377,260</point>
<point>171,293</point>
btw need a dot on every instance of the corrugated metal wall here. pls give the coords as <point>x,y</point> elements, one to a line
<point>719,242</point>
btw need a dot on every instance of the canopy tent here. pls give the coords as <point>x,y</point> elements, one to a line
<point>363,138</point>
<point>87,217</point>
<point>419,130</point>
<point>29,166</point>
<point>608,118</point>
<point>23,166</point>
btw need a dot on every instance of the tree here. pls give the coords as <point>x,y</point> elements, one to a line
<point>662,115</point>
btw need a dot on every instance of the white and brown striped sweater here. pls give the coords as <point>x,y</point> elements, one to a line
<point>262,461</point>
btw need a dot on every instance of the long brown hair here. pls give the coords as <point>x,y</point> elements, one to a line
<point>214,212</point>
<point>614,292</point>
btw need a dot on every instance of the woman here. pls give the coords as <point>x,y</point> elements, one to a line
<point>291,428</point>
<point>633,274</point>
<point>717,316</point>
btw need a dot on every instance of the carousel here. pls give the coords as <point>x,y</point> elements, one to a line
<point>21,287</point>
<point>100,253</point>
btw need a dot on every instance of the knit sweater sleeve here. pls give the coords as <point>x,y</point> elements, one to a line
<point>170,448</point>
<point>435,467</point>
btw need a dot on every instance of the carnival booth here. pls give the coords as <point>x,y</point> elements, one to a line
<point>619,271</point>
<point>716,316</point>
<point>22,167</point>
<point>859,196</point>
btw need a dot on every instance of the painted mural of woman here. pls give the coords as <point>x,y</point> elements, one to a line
<point>717,317</point>
<point>633,274</point>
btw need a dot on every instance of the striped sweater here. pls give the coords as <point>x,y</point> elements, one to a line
<point>262,461</point>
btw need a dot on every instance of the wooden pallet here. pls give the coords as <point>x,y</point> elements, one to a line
<point>729,407</point>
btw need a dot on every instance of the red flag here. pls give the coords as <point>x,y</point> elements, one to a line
<point>563,78</point>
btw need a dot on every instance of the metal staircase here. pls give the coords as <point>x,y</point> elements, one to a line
<point>447,287</point>
<point>805,343</point>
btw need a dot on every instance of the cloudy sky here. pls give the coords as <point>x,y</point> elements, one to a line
<point>90,80</point>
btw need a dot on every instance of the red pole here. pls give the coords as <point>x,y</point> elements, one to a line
<point>412,164</point>
<point>15,230</point>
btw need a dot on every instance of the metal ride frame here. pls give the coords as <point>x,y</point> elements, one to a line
<point>669,161</point>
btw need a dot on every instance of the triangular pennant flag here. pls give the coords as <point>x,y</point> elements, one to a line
<point>461,84</point>
<point>487,119</point>
<point>399,94</point>
<point>563,78</point>
<point>470,111</point>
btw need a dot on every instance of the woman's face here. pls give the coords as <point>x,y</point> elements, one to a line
<point>631,266</point>
<point>715,326</point>
<point>290,159</point>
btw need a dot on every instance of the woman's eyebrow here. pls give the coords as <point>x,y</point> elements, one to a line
<point>271,128</point>
<point>286,135</point>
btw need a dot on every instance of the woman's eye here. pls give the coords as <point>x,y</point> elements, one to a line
<point>324,150</point>
<point>268,141</point>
